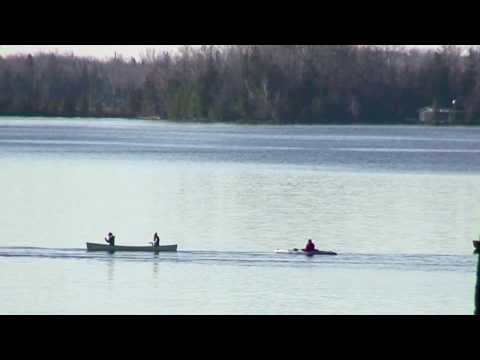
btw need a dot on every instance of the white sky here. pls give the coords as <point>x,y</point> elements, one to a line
<point>101,51</point>
<point>98,51</point>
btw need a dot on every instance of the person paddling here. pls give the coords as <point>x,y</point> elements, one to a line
<point>310,246</point>
<point>156,240</point>
<point>111,239</point>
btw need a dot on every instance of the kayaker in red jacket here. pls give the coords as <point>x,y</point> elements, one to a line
<point>310,246</point>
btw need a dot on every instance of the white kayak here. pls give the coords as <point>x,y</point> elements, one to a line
<point>307,253</point>
<point>106,247</point>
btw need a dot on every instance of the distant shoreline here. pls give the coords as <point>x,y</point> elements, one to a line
<point>240,122</point>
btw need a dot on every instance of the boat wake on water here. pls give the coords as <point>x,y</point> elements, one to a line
<point>414,262</point>
<point>306,253</point>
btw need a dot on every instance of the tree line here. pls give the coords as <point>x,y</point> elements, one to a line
<point>279,84</point>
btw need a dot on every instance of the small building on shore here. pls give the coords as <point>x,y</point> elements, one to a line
<point>441,116</point>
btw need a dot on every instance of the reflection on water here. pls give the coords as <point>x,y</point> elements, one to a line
<point>110,270</point>
<point>155,273</point>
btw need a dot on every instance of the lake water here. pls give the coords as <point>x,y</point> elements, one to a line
<point>401,206</point>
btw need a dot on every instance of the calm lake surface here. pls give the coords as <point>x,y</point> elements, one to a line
<point>401,206</point>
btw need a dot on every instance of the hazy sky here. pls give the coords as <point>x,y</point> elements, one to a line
<point>99,51</point>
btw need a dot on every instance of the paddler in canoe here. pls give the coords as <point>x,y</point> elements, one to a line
<point>156,240</point>
<point>110,239</point>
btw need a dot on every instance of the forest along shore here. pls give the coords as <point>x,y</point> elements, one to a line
<point>277,84</point>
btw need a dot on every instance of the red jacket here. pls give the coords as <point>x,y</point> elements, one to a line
<point>310,247</point>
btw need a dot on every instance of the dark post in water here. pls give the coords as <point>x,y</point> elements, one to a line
<point>477,288</point>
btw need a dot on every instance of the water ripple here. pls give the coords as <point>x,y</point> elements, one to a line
<point>412,262</point>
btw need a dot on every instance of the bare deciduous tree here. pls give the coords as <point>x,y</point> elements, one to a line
<point>276,83</point>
